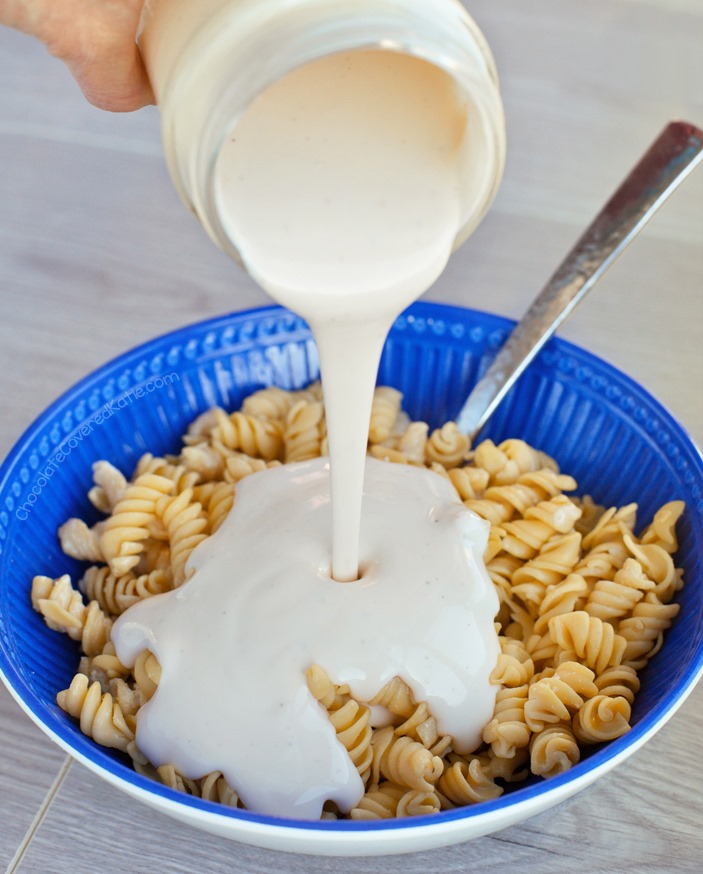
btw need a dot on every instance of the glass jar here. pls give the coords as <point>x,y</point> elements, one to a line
<point>209,59</point>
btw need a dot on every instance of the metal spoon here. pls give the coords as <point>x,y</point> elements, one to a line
<point>667,162</point>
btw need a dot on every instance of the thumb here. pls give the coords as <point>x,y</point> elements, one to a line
<point>97,41</point>
<point>115,79</point>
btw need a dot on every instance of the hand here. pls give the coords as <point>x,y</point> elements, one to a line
<point>97,41</point>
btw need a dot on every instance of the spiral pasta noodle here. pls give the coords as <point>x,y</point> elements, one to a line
<point>531,489</point>
<point>447,446</point>
<point>403,761</point>
<point>553,750</point>
<point>551,699</point>
<point>204,461</point>
<point>351,723</point>
<point>185,523</point>
<point>560,598</point>
<point>643,631</point>
<point>214,787</point>
<point>64,610</point>
<point>508,770</point>
<point>239,464</point>
<point>147,673</point>
<point>79,541</point>
<point>585,602</point>
<point>658,566</point>
<point>508,730</point>
<point>304,431</point>
<point>467,783</point>
<point>249,434</point>
<point>385,409</point>
<point>396,697</point>
<point>619,682</point>
<point>99,715</point>
<point>602,718</point>
<point>588,638</point>
<point>116,594</point>
<point>379,802</point>
<point>389,800</point>
<point>110,484</point>
<point>661,531</point>
<point>104,666</point>
<point>269,403</point>
<point>470,482</point>
<point>553,563</point>
<point>330,695</point>
<point>515,666</point>
<point>126,529</point>
<point>611,600</point>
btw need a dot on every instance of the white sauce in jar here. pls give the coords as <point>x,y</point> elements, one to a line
<point>234,642</point>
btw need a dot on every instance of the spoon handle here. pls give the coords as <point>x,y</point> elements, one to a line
<point>667,162</point>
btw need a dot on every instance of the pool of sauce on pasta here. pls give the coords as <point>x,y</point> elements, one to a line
<point>261,607</point>
<point>345,212</point>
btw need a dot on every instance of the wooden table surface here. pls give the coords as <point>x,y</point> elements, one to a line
<point>97,254</point>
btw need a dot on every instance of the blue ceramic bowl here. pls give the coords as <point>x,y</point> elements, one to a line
<point>614,438</point>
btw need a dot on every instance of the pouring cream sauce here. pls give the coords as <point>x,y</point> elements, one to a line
<point>341,184</point>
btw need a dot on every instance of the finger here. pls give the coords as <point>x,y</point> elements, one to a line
<point>117,82</point>
<point>97,41</point>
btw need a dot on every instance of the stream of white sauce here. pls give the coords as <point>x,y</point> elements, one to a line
<point>342,186</point>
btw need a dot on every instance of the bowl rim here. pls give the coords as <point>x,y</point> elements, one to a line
<point>167,799</point>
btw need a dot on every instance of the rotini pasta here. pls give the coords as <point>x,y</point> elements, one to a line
<point>351,722</point>
<point>79,541</point>
<point>219,503</point>
<point>249,434</point>
<point>621,681</point>
<point>612,599</point>
<point>556,698</point>
<point>553,563</point>
<point>468,783</point>
<point>109,487</point>
<point>421,726</point>
<point>204,461</point>
<point>214,787</point>
<point>602,718</point>
<point>643,631</point>
<point>117,594</point>
<point>103,667</point>
<point>515,666</point>
<point>147,673</point>
<point>584,601</point>
<point>447,446</point>
<point>379,802</point>
<point>560,598</point>
<point>304,431</point>
<point>587,638</point>
<point>99,715</point>
<point>385,409</point>
<point>508,731</point>
<point>125,531</point>
<point>403,761</point>
<point>389,800</point>
<point>64,610</point>
<point>553,750</point>
<point>186,525</point>
<point>662,529</point>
